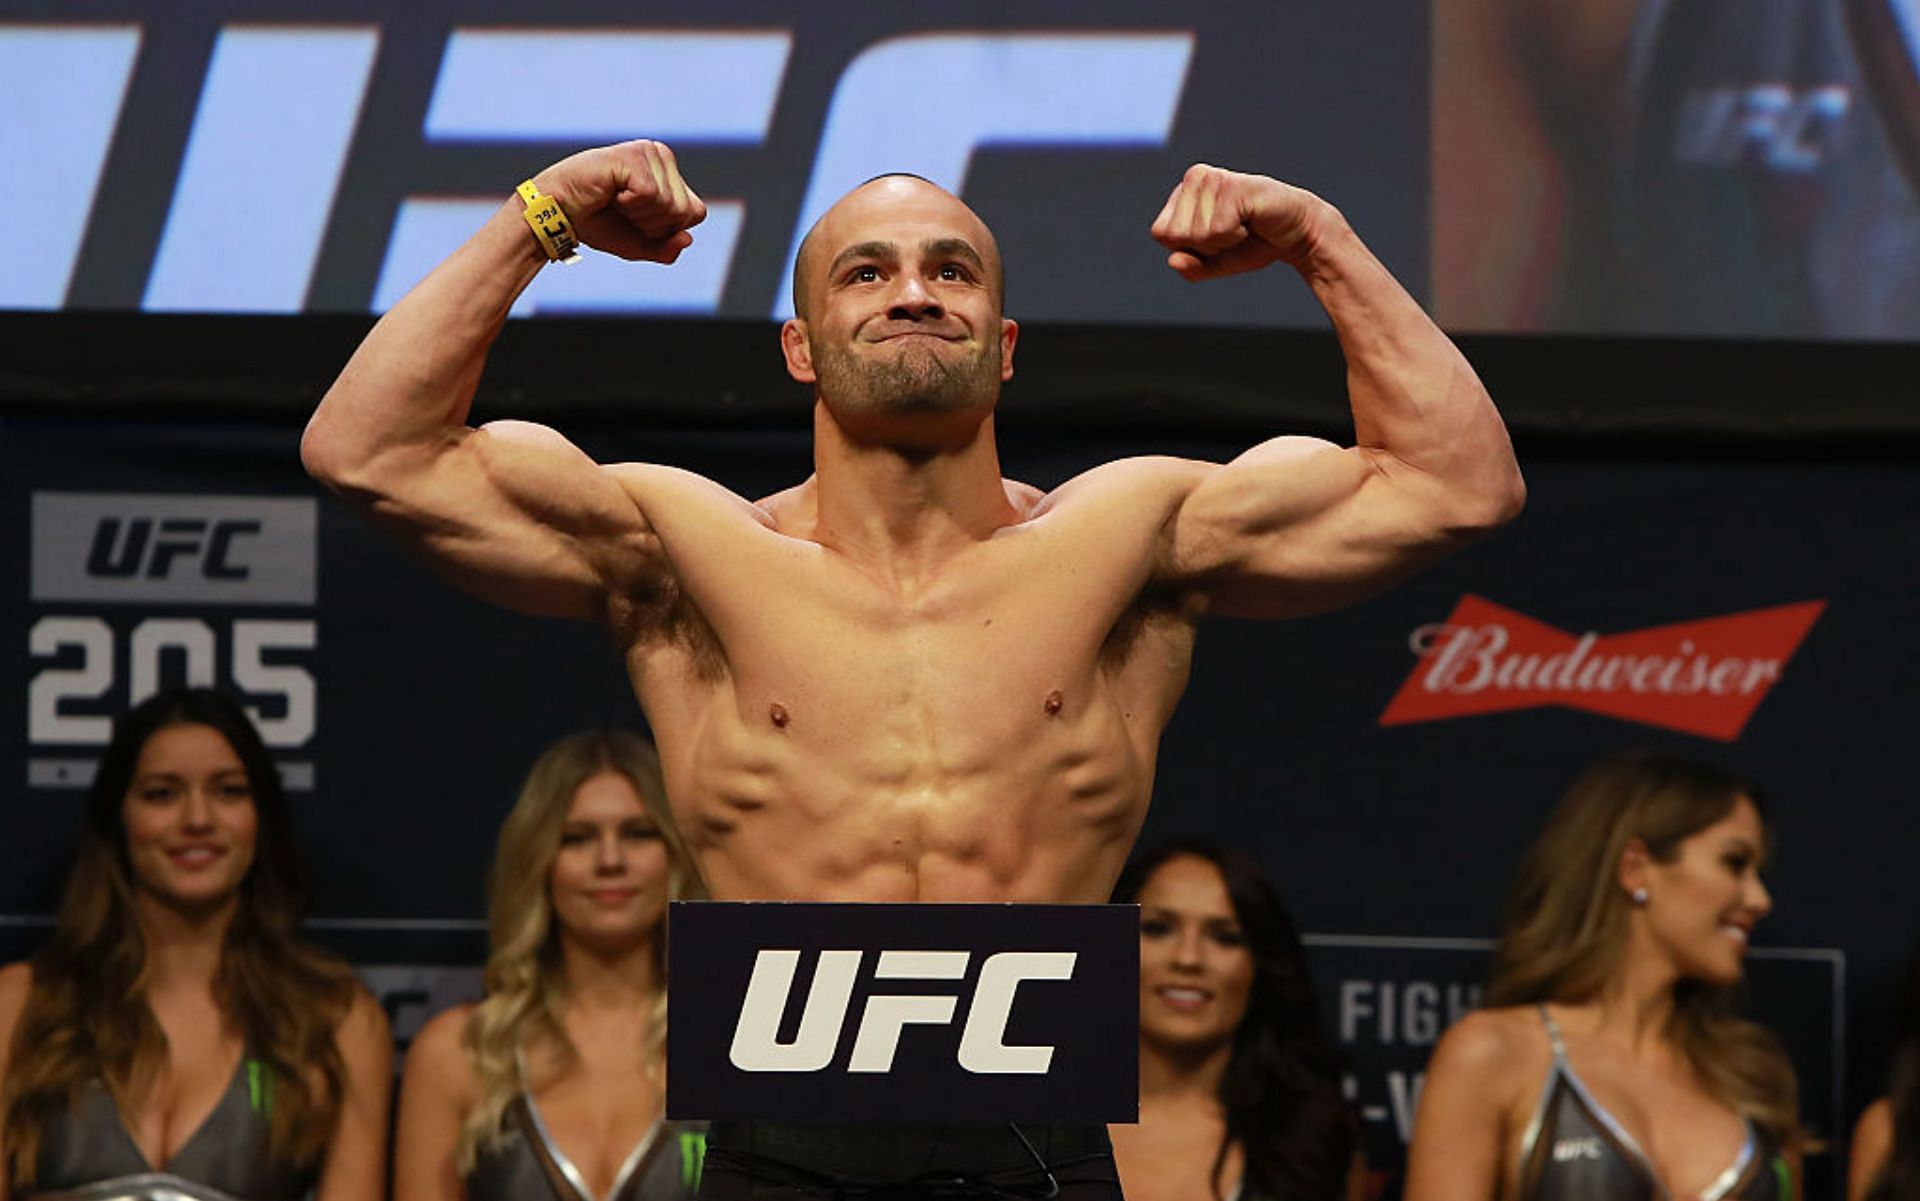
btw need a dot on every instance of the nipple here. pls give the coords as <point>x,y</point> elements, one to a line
<point>777,713</point>
<point>1053,702</point>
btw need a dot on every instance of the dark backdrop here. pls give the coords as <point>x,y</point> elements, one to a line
<point>1393,843</point>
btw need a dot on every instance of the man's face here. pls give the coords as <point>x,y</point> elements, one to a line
<point>902,298</point>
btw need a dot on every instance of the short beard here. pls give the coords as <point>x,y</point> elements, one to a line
<point>918,381</point>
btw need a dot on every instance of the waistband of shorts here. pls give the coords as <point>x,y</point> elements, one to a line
<point>901,1152</point>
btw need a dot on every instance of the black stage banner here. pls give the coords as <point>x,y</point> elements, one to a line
<point>783,1011</point>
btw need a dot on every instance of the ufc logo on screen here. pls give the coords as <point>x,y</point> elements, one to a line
<point>294,94</point>
<point>983,1049</point>
<point>127,548</point>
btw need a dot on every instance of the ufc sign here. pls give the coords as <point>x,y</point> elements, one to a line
<point>757,1048</point>
<point>132,592</point>
<point>121,550</point>
<point>161,548</point>
<point>837,1012</point>
<point>295,94</point>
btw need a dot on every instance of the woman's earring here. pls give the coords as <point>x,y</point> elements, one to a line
<point>1639,896</point>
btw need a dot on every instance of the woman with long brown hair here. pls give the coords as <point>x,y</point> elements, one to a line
<point>1885,1160</point>
<point>1240,1095</point>
<point>176,1036</point>
<point>552,1086</point>
<point>1610,1063</point>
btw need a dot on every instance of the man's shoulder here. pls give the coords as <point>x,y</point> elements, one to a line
<point>1143,483</point>
<point>655,486</point>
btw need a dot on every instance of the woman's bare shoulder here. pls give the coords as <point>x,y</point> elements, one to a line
<point>438,1053</point>
<point>1872,1143</point>
<point>444,1035</point>
<point>16,983</point>
<point>1492,1043</point>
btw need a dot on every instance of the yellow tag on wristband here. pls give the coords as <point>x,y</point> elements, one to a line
<point>549,224</point>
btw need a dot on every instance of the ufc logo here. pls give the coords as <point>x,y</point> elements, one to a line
<point>131,548</point>
<point>983,1049</point>
<point>295,94</point>
<point>1784,128</point>
<point>1568,1149</point>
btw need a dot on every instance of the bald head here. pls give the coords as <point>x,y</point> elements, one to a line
<point>849,222</point>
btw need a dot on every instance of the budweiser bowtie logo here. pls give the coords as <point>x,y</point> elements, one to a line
<point>1701,677</point>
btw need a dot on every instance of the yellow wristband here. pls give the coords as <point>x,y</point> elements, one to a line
<point>549,224</point>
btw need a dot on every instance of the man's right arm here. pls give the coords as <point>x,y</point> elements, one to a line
<point>510,511</point>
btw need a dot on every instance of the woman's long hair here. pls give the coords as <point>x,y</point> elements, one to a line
<point>1567,919</point>
<point>1281,1089</point>
<point>87,1018</point>
<point>524,980</point>
<point>1899,1179</point>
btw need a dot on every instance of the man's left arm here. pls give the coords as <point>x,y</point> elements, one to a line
<point>1298,525</point>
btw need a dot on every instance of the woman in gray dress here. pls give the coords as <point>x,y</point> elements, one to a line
<point>1610,1063</point>
<point>552,1086</point>
<point>176,1038</point>
<point>1884,1159</point>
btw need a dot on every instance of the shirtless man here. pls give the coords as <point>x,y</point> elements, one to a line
<point>907,678</point>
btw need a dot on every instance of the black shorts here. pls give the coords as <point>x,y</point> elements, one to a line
<point>894,1162</point>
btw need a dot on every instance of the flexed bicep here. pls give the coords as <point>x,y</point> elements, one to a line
<point>1297,526</point>
<point>513,513</point>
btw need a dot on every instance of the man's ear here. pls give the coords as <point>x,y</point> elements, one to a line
<point>798,351</point>
<point>1009,334</point>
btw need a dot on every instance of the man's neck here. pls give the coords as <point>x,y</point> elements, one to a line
<point>906,508</point>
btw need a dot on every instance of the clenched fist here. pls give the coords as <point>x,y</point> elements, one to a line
<point>1219,222</point>
<point>627,200</point>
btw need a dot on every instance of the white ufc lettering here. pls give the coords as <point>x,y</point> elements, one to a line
<point>240,238</point>
<point>1113,89</point>
<point>983,1048</point>
<point>293,95</point>
<point>1789,129</point>
<point>683,87</point>
<point>69,81</point>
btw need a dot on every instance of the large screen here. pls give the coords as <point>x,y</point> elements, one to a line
<point>1746,168</point>
<point>277,157</point>
<point>1699,167</point>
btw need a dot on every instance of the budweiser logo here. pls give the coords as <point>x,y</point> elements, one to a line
<point>1700,677</point>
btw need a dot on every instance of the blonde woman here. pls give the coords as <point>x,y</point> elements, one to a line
<point>1610,1064</point>
<point>176,1038</point>
<point>552,1086</point>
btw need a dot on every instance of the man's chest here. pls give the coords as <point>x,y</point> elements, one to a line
<point>905,703</point>
<point>1022,604</point>
<point>965,684</point>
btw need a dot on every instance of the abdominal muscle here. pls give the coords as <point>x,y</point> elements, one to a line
<point>1021,805</point>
